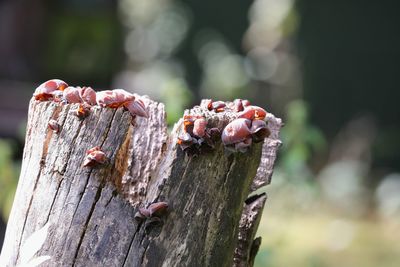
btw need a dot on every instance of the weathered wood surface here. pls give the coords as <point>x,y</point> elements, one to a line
<point>91,211</point>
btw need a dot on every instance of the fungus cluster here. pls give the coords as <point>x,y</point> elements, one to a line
<point>58,91</point>
<point>248,126</point>
<point>196,136</point>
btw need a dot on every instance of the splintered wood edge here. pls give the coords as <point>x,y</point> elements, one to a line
<point>147,145</point>
<point>247,246</point>
<point>269,153</point>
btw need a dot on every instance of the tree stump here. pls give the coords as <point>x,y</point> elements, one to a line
<point>89,213</point>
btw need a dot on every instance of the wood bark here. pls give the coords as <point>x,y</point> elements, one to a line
<point>210,221</point>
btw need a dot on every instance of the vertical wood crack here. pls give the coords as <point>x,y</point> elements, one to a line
<point>97,197</point>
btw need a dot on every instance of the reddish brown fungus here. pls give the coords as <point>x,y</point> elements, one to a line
<point>88,95</point>
<point>45,91</point>
<point>113,98</point>
<point>199,127</point>
<point>82,111</point>
<point>259,130</point>
<point>253,112</point>
<point>236,131</point>
<point>94,156</point>
<point>153,211</point>
<point>54,126</point>
<point>217,106</point>
<point>157,208</point>
<point>239,104</point>
<point>71,95</point>
<point>136,107</point>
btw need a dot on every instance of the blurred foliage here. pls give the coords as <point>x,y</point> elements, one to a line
<point>301,226</point>
<point>154,30</point>
<point>176,96</point>
<point>78,47</point>
<point>8,177</point>
<point>321,238</point>
<point>300,141</point>
<point>351,67</point>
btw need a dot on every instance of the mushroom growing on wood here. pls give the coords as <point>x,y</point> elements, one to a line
<point>253,112</point>
<point>154,210</point>
<point>113,98</point>
<point>46,90</point>
<point>94,157</point>
<point>59,91</point>
<point>195,136</point>
<point>236,131</point>
<point>137,108</point>
<point>53,125</point>
<point>249,127</point>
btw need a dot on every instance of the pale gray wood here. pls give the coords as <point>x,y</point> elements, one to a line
<point>247,246</point>
<point>91,211</point>
<point>270,147</point>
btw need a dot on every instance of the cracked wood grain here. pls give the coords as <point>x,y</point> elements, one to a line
<point>247,245</point>
<point>91,211</point>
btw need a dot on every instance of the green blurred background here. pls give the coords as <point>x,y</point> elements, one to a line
<point>330,69</point>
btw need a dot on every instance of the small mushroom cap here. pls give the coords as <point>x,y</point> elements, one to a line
<point>240,104</point>
<point>157,208</point>
<point>93,149</point>
<point>259,130</point>
<point>217,106</point>
<point>136,108</point>
<point>88,95</point>
<point>185,140</point>
<point>71,94</point>
<point>98,157</point>
<point>185,137</point>
<point>82,111</point>
<point>121,96</point>
<point>113,98</point>
<point>199,128</point>
<point>236,131</point>
<point>104,98</point>
<point>61,85</point>
<point>253,112</point>
<point>139,216</point>
<point>94,156</point>
<point>45,91</point>
<point>145,212</point>
<point>52,85</point>
<point>257,125</point>
<point>53,125</point>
